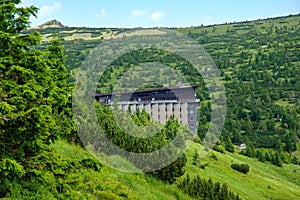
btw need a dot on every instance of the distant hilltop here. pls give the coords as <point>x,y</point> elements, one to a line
<point>51,24</point>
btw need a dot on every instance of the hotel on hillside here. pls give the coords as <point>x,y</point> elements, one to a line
<point>179,102</point>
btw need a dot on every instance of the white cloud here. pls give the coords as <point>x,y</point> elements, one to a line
<point>157,15</point>
<point>47,10</point>
<point>101,14</point>
<point>137,13</point>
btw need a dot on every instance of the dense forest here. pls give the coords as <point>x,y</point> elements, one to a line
<point>259,63</point>
<point>42,156</point>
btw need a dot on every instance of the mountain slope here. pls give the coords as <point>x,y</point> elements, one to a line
<point>260,65</point>
<point>264,181</point>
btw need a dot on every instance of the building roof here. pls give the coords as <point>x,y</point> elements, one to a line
<point>149,90</point>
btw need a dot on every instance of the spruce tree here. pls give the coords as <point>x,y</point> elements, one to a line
<point>33,90</point>
<point>228,145</point>
<point>196,157</point>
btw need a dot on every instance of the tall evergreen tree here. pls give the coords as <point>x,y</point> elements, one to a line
<point>33,90</point>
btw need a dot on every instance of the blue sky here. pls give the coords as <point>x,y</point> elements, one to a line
<point>158,13</point>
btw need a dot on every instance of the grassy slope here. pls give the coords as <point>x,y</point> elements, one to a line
<point>264,181</point>
<point>283,183</point>
<point>115,183</point>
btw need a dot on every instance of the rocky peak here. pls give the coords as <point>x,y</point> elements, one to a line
<point>51,24</point>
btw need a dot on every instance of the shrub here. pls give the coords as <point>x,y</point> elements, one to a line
<point>244,168</point>
<point>195,157</point>
<point>201,188</point>
<point>202,166</point>
<point>219,148</point>
<point>214,157</point>
<point>9,170</point>
<point>229,147</point>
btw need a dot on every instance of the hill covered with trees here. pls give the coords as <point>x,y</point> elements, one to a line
<point>259,63</point>
<point>42,157</point>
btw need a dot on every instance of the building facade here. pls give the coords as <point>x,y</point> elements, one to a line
<point>179,102</point>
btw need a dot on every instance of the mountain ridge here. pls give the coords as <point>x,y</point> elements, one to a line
<point>50,24</point>
<point>57,24</point>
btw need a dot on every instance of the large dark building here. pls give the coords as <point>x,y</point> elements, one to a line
<point>179,102</point>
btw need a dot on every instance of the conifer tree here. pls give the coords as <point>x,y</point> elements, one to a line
<point>33,87</point>
<point>196,157</point>
<point>228,145</point>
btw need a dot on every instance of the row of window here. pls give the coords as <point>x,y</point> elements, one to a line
<point>166,109</point>
<point>167,116</point>
<point>153,98</point>
<point>191,120</point>
<point>191,111</point>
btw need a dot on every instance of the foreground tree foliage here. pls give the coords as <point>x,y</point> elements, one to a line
<point>33,96</point>
<point>33,87</point>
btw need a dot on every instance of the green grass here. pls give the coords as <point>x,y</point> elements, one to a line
<point>115,184</point>
<point>264,181</point>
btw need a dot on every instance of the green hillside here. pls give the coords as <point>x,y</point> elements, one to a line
<point>264,181</point>
<point>42,156</point>
<point>260,65</point>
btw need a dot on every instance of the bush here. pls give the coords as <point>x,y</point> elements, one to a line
<point>244,168</point>
<point>219,148</point>
<point>295,160</point>
<point>201,188</point>
<point>229,147</point>
<point>9,170</point>
<point>202,166</point>
<point>169,173</point>
<point>214,157</point>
